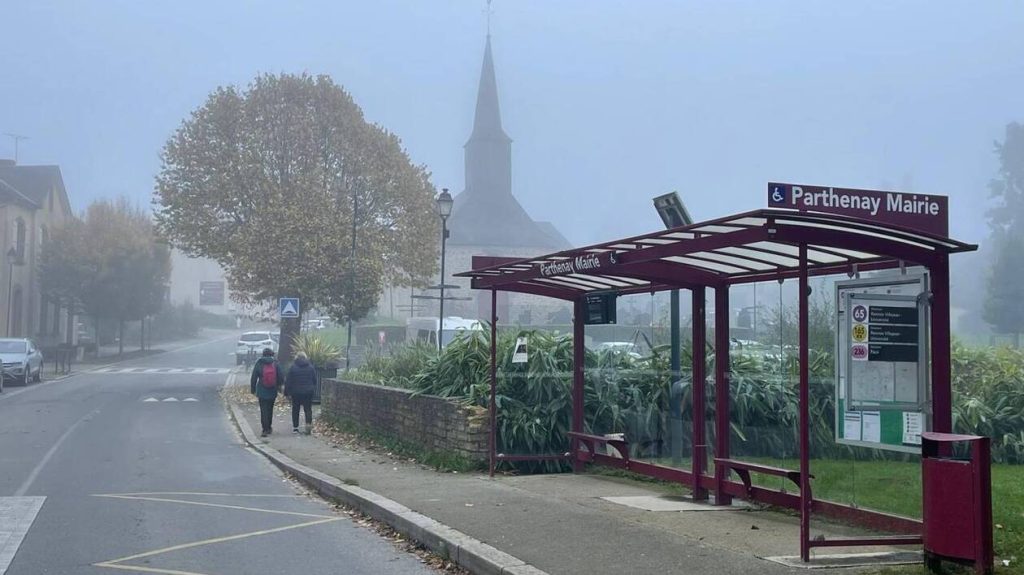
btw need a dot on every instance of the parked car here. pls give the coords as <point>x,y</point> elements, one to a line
<point>627,347</point>
<point>315,324</point>
<point>256,342</point>
<point>22,360</point>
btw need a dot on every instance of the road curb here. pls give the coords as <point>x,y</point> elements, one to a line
<point>471,554</point>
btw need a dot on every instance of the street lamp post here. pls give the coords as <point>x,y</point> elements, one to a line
<point>351,282</point>
<point>444,209</point>
<point>12,258</point>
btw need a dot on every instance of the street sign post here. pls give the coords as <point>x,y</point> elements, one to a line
<point>288,307</point>
<point>211,293</point>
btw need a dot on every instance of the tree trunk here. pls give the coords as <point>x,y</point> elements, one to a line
<point>120,337</point>
<point>96,332</point>
<point>142,334</point>
<point>290,329</point>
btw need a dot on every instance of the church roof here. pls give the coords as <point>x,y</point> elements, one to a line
<point>481,220</point>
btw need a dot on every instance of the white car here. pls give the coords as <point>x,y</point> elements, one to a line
<point>22,360</point>
<point>626,347</point>
<point>254,342</point>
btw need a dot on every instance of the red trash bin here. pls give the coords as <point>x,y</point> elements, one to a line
<point>957,502</point>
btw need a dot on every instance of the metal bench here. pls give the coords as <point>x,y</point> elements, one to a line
<point>744,468</point>
<point>593,442</point>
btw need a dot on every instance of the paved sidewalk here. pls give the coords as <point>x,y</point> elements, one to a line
<point>560,523</point>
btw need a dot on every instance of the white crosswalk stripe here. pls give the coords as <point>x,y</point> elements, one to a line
<point>16,517</point>
<point>162,370</point>
<point>169,400</point>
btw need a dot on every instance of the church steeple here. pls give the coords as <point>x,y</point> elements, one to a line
<point>487,122</point>
<point>489,149</point>
<point>486,215</point>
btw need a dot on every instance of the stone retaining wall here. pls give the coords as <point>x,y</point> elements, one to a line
<point>434,423</point>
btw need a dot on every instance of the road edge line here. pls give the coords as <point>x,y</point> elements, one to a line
<point>471,554</point>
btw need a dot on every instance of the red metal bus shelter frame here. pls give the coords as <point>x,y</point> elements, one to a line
<point>761,245</point>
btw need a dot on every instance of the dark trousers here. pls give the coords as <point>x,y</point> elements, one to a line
<point>305,401</point>
<point>267,413</point>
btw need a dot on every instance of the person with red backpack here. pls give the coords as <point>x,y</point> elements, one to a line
<point>265,381</point>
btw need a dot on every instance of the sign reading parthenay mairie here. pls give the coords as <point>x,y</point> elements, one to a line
<point>923,212</point>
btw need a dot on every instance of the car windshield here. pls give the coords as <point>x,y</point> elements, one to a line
<point>12,347</point>
<point>255,337</point>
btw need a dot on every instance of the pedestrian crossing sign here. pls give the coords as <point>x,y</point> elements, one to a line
<point>288,307</point>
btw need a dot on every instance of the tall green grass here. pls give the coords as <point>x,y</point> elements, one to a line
<point>625,394</point>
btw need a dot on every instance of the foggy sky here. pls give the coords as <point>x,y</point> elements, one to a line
<point>608,103</point>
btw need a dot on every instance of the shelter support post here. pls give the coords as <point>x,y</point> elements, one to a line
<point>493,436</point>
<point>942,400</point>
<point>805,421</point>
<point>721,392</point>
<point>578,361</point>
<point>698,384</point>
<point>675,429</point>
<point>674,333</point>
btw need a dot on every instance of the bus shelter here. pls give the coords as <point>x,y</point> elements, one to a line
<point>761,245</point>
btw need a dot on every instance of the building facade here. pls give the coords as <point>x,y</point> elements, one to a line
<point>33,203</point>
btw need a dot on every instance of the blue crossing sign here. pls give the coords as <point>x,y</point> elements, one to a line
<point>288,307</point>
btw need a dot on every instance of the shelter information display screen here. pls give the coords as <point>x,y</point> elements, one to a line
<point>600,308</point>
<point>882,362</point>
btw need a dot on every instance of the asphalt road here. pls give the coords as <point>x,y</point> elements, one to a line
<point>122,484</point>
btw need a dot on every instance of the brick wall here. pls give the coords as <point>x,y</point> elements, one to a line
<point>435,423</point>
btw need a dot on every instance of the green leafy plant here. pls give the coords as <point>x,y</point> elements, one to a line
<point>397,368</point>
<point>320,352</point>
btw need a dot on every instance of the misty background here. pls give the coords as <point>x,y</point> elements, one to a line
<point>608,103</point>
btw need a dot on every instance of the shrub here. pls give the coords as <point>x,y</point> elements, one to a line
<point>624,394</point>
<point>320,352</point>
<point>397,369</point>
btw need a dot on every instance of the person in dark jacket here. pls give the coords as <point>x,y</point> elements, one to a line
<point>300,384</point>
<point>266,390</point>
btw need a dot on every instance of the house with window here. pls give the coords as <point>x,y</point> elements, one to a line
<point>33,203</point>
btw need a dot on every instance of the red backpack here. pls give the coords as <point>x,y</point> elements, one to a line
<point>269,375</point>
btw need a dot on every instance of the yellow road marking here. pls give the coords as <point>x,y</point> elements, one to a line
<point>211,542</point>
<point>205,504</point>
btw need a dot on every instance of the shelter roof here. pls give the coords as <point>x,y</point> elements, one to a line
<point>760,245</point>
